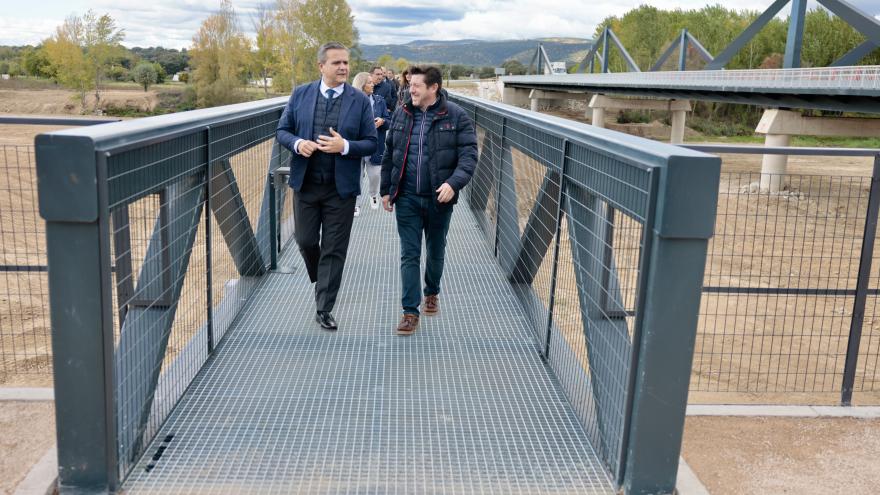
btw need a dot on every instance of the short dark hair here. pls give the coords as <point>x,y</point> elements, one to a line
<point>432,75</point>
<point>333,45</point>
<point>374,68</point>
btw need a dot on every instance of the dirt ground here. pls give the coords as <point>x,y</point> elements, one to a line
<point>64,102</point>
<point>27,431</point>
<point>804,456</point>
<point>730,455</point>
<point>742,356</point>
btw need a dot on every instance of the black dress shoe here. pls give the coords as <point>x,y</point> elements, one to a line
<point>325,319</point>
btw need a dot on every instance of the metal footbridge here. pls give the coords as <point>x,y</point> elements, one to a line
<point>852,89</point>
<point>187,359</point>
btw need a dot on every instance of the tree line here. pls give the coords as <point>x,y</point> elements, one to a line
<point>647,31</point>
<point>86,51</point>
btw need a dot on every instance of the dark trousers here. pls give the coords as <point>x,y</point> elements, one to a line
<point>417,215</point>
<point>323,228</point>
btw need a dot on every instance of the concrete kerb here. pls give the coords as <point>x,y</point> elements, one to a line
<point>859,412</point>
<point>686,481</point>
<point>43,476</point>
<point>42,479</point>
<point>26,394</point>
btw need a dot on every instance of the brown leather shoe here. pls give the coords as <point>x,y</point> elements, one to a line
<point>431,305</point>
<point>408,324</point>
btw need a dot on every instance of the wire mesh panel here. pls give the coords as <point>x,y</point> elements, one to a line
<point>166,224</point>
<point>163,306</point>
<point>780,284</point>
<point>606,282</point>
<point>581,279</point>
<point>538,187</point>
<point>24,320</point>
<point>184,227</point>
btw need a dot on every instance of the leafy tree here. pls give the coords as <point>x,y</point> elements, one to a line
<point>323,21</point>
<point>36,62</point>
<point>101,44</point>
<point>220,56</point>
<point>486,72</point>
<point>118,73</point>
<point>302,26</point>
<point>171,60</point>
<point>67,60</point>
<point>385,60</point>
<point>401,64</point>
<point>265,58</point>
<point>161,75</point>
<point>514,67</point>
<point>145,74</point>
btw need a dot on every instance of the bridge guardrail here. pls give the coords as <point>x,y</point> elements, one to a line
<point>157,230</point>
<point>604,237</point>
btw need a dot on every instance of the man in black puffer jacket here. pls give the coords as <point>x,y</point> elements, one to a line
<point>430,155</point>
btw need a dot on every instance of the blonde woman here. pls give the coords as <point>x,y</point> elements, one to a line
<point>373,164</point>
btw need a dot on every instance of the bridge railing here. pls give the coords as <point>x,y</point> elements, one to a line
<point>837,78</point>
<point>157,230</point>
<point>604,237</point>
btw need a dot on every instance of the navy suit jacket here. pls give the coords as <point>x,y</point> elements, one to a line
<point>355,125</point>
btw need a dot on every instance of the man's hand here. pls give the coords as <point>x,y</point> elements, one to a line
<point>386,203</point>
<point>379,121</point>
<point>445,193</point>
<point>306,148</point>
<point>332,144</point>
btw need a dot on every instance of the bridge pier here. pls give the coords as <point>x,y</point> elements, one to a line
<point>678,109</point>
<point>779,125</point>
<point>517,97</point>
<point>542,99</point>
<point>598,116</point>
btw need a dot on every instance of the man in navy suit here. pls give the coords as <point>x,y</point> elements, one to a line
<point>328,126</point>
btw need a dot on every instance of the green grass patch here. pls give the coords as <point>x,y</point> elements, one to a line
<point>633,117</point>
<point>24,83</point>
<point>798,141</point>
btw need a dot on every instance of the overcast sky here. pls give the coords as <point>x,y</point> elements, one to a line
<point>172,23</point>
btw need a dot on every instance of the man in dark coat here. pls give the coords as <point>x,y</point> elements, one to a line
<point>384,88</point>
<point>430,155</point>
<point>328,126</point>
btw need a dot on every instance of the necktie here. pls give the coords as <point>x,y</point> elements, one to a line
<point>329,102</point>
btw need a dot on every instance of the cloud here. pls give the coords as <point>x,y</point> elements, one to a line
<point>172,23</point>
<point>26,31</point>
<point>497,20</point>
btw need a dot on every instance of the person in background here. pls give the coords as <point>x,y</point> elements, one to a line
<point>383,88</point>
<point>373,164</point>
<point>395,84</point>
<point>403,92</point>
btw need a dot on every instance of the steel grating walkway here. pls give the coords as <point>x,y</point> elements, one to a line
<point>466,405</point>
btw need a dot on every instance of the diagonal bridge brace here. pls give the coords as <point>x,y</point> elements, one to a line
<point>150,314</point>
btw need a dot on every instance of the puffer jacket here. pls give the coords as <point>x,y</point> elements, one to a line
<point>452,149</point>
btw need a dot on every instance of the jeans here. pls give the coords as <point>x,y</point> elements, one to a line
<point>417,215</point>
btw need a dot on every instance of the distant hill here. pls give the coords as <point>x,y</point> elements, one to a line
<point>480,53</point>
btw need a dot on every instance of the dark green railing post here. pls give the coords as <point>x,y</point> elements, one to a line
<point>666,326</point>
<point>73,200</point>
